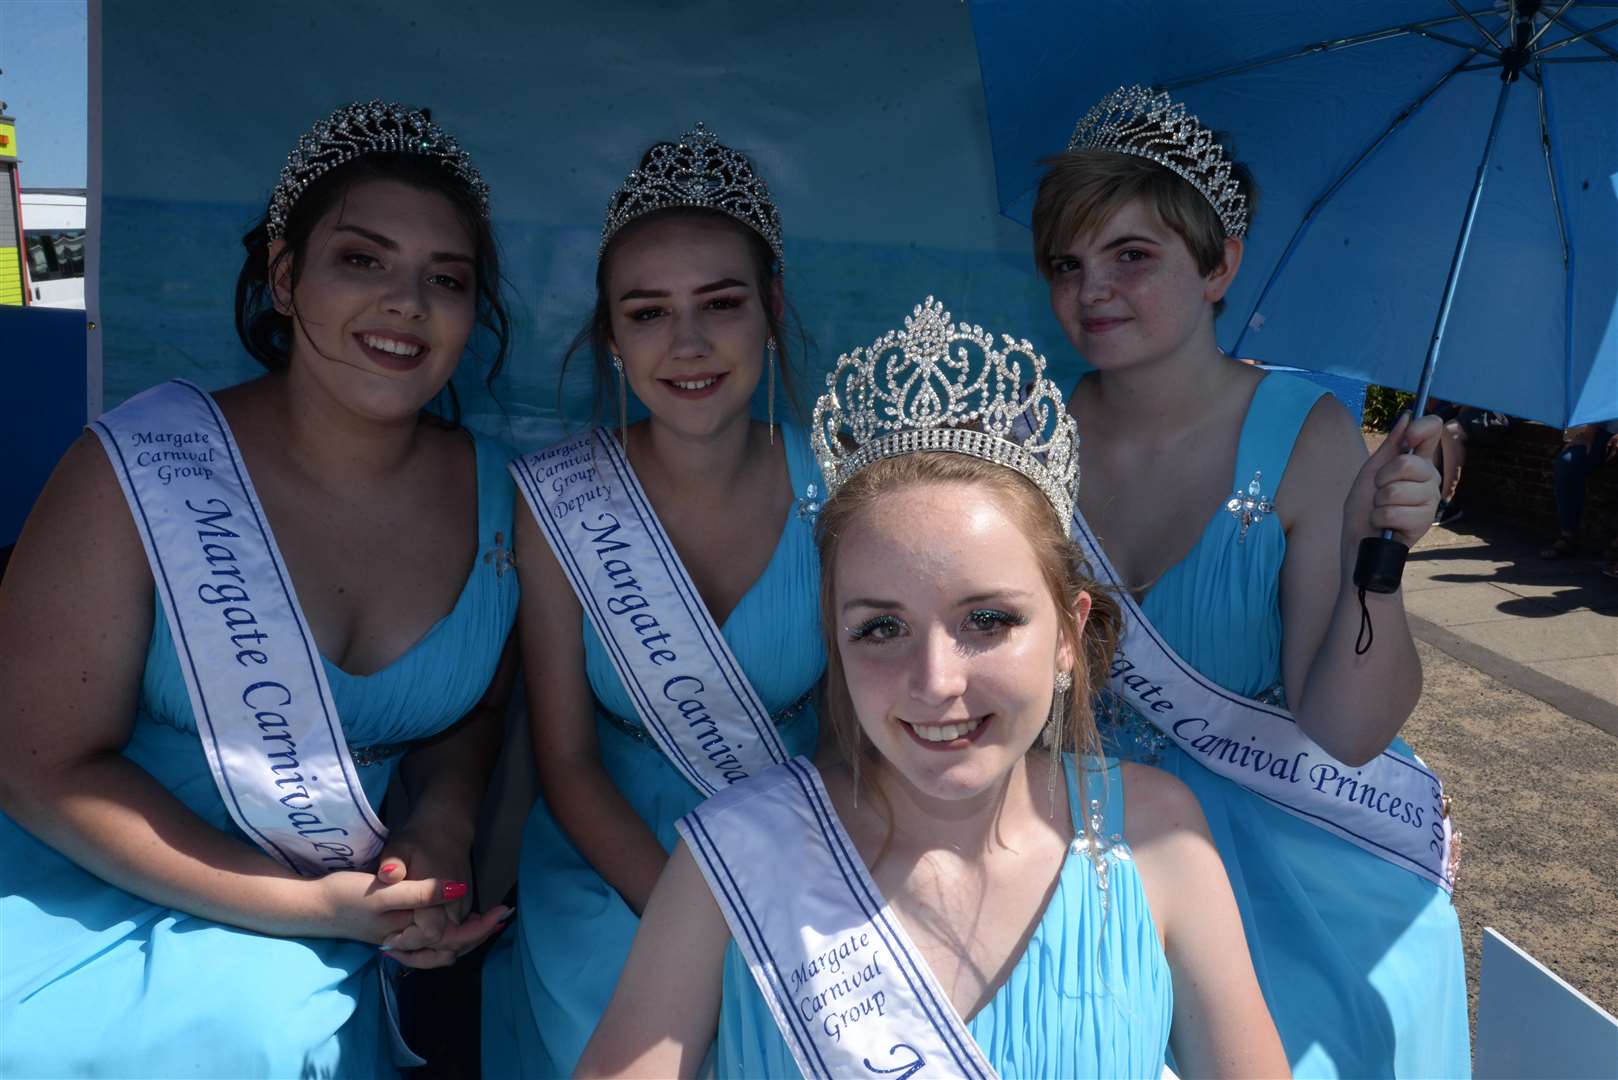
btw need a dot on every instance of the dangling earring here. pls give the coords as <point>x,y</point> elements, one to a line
<point>769,348</point>
<point>623,402</point>
<point>1052,735</point>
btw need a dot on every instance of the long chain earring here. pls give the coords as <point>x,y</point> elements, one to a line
<point>1054,730</point>
<point>623,402</point>
<point>769,348</point>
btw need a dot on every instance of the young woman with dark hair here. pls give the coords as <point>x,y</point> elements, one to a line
<point>201,715</point>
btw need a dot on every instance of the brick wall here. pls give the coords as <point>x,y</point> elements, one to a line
<point>1512,480</point>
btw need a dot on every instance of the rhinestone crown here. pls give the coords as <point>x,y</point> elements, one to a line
<point>696,170</point>
<point>944,386</point>
<point>1134,120</point>
<point>366,128</point>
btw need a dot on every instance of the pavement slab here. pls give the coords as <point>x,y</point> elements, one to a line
<point>1461,605</point>
<point>1595,675</point>
<point>1565,636</point>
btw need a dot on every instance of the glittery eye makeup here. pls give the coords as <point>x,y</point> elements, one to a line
<point>878,628</point>
<point>994,620</point>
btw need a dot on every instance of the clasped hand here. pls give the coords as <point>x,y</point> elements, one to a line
<point>416,907</point>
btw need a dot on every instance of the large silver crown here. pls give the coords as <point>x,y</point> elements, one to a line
<point>696,170</point>
<point>366,128</point>
<point>1134,120</point>
<point>948,386</point>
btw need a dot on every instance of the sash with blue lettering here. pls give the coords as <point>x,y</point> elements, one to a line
<point>257,686</point>
<point>689,691</point>
<point>849,990</point>
<point>1392,806</point>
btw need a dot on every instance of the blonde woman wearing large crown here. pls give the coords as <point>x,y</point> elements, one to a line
<point>669,630</point>
<point>1229,502</point>
<point>195,880</point>
<point>973,891</point>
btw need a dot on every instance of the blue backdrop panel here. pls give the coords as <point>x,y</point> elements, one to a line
<point>44,349</point>
<point>867,120</point>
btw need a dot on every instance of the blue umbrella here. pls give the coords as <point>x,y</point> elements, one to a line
<point>1435,178</point>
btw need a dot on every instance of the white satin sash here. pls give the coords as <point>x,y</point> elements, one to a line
<point>257,685</point>
<point>1392,806</point>
<point>849,990</point>
<point>690,693</point>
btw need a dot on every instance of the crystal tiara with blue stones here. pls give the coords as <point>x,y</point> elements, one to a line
<point>696,170</point>
<point>950,387</point>
<point>1134,120</point>
<point>369,127</point>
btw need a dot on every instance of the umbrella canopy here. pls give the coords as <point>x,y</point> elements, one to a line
<point>1364,122</point>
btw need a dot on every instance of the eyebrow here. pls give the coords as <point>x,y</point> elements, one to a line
<point>1122,240</point>
<point>391,245</point>
<point>975,598</point>
<point>701,290</point>
<point>997,594</point>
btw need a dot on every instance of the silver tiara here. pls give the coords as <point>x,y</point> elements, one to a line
<point>696,170</point>
<point>1134,120</point>
<point>948,387</point>
<point>367,128</point>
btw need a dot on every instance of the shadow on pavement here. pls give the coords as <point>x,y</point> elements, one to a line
<point>1558,585</point>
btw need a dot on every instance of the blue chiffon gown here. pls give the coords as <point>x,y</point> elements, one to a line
<point>95,981</point>
<point>1091,995</point>
<point>548,980</point>
<point>1360,961</point>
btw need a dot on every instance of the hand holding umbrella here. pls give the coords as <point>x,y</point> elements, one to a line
<point>1396,491</point>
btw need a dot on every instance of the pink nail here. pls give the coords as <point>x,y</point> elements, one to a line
<point>388,868</point>
<point>454,890</point>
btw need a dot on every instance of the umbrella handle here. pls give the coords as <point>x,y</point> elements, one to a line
<point>1380,565</point>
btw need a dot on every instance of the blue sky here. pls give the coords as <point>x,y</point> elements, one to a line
<point>43,81</point>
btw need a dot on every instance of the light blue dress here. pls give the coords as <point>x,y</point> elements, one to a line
<point>547,982</point>
<point>1091,995</point>
<point>97,982</point>
<point>1360,961</point>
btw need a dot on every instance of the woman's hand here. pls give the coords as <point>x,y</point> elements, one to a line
<point>436,935</point>
<point>356,905</point>
<point>1395,490</point>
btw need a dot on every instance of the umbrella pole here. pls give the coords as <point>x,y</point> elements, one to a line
<point>1379,566</point>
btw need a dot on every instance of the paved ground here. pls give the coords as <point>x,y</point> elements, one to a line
<point>1480,592</point>
<point>1520,717</point>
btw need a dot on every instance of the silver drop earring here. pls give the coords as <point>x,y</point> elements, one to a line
<point>1052,734</point>
<point>769,348</point>
<point>623,402</point>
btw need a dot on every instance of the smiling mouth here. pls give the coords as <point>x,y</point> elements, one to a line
<point>946,736</point>
<point>399,354</point>
<point>391,345</point>
<point>696,386</point>
<point>1097,326</point>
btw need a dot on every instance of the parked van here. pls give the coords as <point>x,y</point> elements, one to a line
<point>53,232</point>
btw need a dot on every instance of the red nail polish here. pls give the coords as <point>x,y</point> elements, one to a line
<point>454,890</point>
<point>388,868</point>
